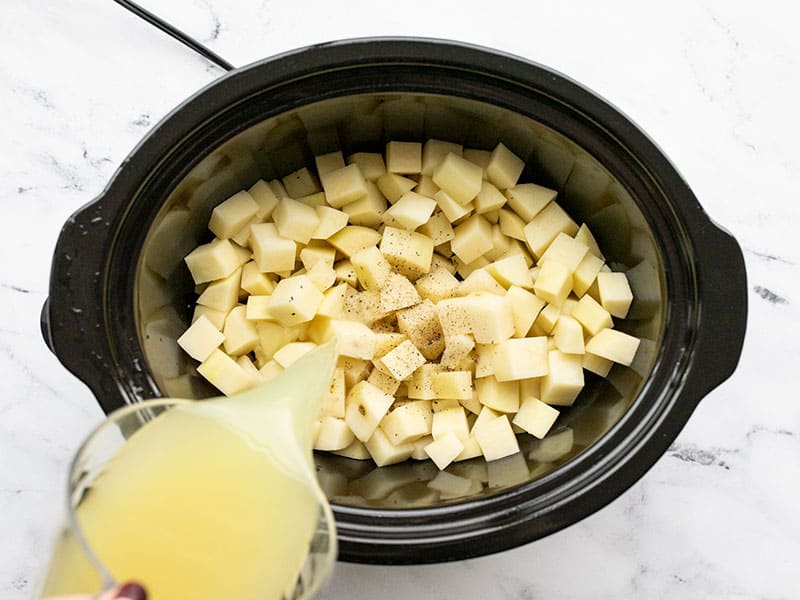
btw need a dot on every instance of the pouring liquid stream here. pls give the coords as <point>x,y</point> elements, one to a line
<point>211,499</point>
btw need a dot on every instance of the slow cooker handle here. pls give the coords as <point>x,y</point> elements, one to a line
<point>722,319</point>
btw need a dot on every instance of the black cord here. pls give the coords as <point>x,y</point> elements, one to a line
<point>176,33</point>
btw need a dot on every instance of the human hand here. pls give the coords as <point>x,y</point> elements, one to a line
<point>129,591</point>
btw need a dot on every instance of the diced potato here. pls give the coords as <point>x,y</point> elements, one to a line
<point>410,211</point>
<point>436,285</point>
<point>295,300</point>
<point>438,228</point>
<point>535,417</point>
<point>291,352</point>
<point>471,449</point>
<point>383,381</point>
<point>452,420</point>
<point>564,380</point>
<point>277,189</point>
<point>311,255</point>
<point>496,439</point>
<point>453,385</point>
<point>345,272</point>
<point>502,396</point>
<point>421,326</point>
<point>568,335</point>
<point>408,422</point>
<point>264,197</point>
<point>384,453</point>
<point>546,225</point>
<point>520,358</point>
<point>313,200</point>
<point>368,210</point>
<point>333,403</point>
<point>614,345</point>
<point>565,250</point>
<point>355,370</point>
<point>408,251</point>
<point>472,238</point>
<point>353,238</point>
<point>394,186</point>
<point>450,208</point>
<point>458,177</point>
<point>295,220</point>
<point>352,338</point>
<point>344,186</point>
<point>547,319</point>
<point>457,348</point>
<point>224,373</point>
<point>371,164</point>
<point>223,294</point>
<point>357,451</point>
<point>586,273</point>
<point>511,271</point>
<point>215,260</point>
<point>444,451</point>
<point>615,293</point>
<point>591,315</point>
<point>332,304</point>
<point>331,221</point>
<point>426,187</point>
<point>585,237</point>
<point>485,416</point>
<point>329,162</point>
<point>489,199</point>
<point>216,317</point>
<point>553,283</point>
<point>438,405</point>
<point>490,318</point>
<point>597,364</point>
<point>465,270</point>
<point>420,384</point>
<point>528,199</point>
<point>478,157</point>
<point>504,167</point>
<point>484,359</point>
<point>401,361</point>
<point>255,282</point>
<point>241,335</point>
<point>272,252</point>
<point>231,215</point>
<point>434,151</point>
<point>384,342</point>
<point>511,225</point>
<point>300,183</point>
<point>365,406</point>
<point>372,269</point>
<point>258,308</point>
<point>525,307</point>
<point>404,158</point>
<point>201,339</point>
<point>398,293</point>
<point>479,281</point>
<point>334,434</point>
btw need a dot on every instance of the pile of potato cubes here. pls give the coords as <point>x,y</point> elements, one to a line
<point>465,305</point>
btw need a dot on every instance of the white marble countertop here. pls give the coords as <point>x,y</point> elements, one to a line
<point>716,84</point>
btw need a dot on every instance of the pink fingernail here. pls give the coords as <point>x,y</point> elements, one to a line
<point>131,591</point>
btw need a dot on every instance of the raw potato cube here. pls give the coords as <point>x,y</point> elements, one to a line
<point>333,403</point>
<point>511,224</point>
<point>272,252</point>
<point>568,335</point>
<point>300,183</point>
<point>394,186</point>
<point>372,269</point>
<point>223,294</point>
<point>450,208</point>
<point>332,304</point>
<point>365,406</point>
<point>597,364</point>
<point>420,385</point>
<point>471,450</point>
<point>490,318</point>
<point>354,238</point>
<point>384,453</point>
<point>426,187</point>
<point>364,307</point>
<point>421,326</point>
<point>511,270</point>
<point>212,261</point>
<point>434,151</point>
<point>408,251</point>
<point>546,225</point>
<point>401,361</point>
<point>472,238</point>
<point>547,319</point>
<point>529,388</point>
<point>404,157</point>
<point>398,293</point>
<point>224,373</point>
<point>311,255</point>
<point>489,199</point>
<point>444,451</point>
<point>216,317</point>
<point>357,451</point>
<point>272,337</point>
<point>329,162</point>
<point>440,405</point>
<point>229,217</point>
<point>564,381</point>
<point>452,420</point>
<point>615,293</point>
<point>591,315</point>
<point>370,163</point>
<point>453,385</point>
<point>501,243</point>
<point>438,228</point>
<point>314,200</point>
<point>553,283</point>
<point>520,358</point>
<point>553,447</point>
<point>528,199</point>
<point>334,434</point>
<point>383,381</point>
<point>565,250</point>
<point>264,197</point>
<point>480,281</point>
<point>408,422</point>
<point>352,338</point>
<point>525,307</point>
<point>437,284</point>
<point>355,370</point>
<point>486,415</point>
<point>614,345</point>
<point>410,211</point>
<point>385,342</point>
<point>270,370</point>
<point>291,352</point>
<point>472,404</point>
<point>484,359</point>
<point>254,281</point>
<point>535,417</point>
<point>344,186</point>
<point>241,335</point>
<point>504,167</point>
<point>345,272</point>
<point>502,396</point>
<point>457,348</point>
<point>295,220</point>
<point>497,439</point>
<point>201,339</point>
<point>369,210</point>
<point>258,308</point>
<point>295,300</point>
<point>458,177</point>
<point>330,222</point>
<point>277,189</point>
<point>479,157</point>
<point>585,237</point>
<point>585,273</point>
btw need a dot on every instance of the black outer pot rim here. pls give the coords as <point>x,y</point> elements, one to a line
<point>76,321</point>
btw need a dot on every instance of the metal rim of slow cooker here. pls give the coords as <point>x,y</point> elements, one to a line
<point>82,292</point>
